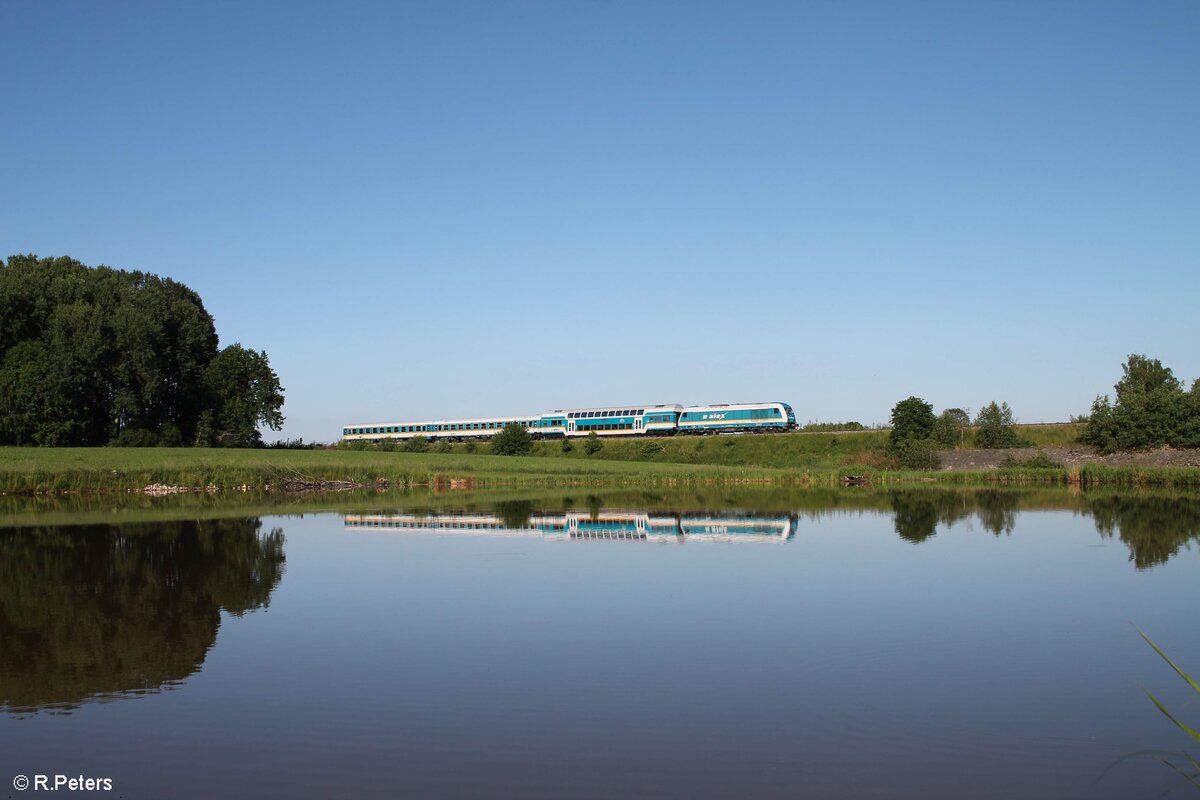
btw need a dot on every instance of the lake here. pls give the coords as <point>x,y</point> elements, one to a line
<point>721,642</point>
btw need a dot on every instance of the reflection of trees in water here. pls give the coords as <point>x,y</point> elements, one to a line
<point>515,513</point>
<point>111,610</point>
<point>997,510</point>
<point>1154,528</point>
<point>918,512</point>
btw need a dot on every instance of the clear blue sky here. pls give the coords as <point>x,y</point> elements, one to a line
<point>440,209</point>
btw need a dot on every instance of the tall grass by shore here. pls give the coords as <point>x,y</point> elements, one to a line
<point>35,470</point>
<point>56,470</point>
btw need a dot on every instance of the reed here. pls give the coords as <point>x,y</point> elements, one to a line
<point>1190,771</point>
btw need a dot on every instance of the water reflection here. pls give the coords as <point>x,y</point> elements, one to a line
<point>1154,527</point>
<point>614,525</point>
<point>96,612</point>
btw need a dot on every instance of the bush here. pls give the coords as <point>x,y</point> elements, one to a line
<point>592,444</point>
<point>567,446</point>
<point>918,454</point>
<point>469,447</point>
<point>135,437</point>
<point>169,435</point>
<point>512,440</point>
<point>995,423</point>
<point>651,449</point>
<point>417,444</point>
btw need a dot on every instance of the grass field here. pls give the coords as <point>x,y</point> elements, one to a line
<point>797,459</point>
<point>27,470</point>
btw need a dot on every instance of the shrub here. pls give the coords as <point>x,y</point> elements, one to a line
<point>566,445</point>
<point>512,440</point>
<point>995,423</point>
<point>592,444</point>
<point>918,454</point>
<point>135,437</point>
<point>169,435</point>
<point>417,444</point>
<point>651,449</point>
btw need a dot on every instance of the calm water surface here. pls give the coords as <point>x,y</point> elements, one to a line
<point>874,645</point>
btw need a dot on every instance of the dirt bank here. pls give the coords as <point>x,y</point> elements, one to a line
<point>1070,456</point>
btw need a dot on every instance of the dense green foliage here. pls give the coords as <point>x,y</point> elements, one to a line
<point>951,427</point>
<point>995,427</point>
<point>104,356</point>
<point>592,444</point>
<point>1151,410</point>
<point>911,441</point>
<point>512,440</point>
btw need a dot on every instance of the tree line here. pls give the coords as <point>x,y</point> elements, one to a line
<point>1152,409</point>
<point>102,356</point>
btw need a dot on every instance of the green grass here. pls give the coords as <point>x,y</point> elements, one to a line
<point>803,451</point>
<point>797,459</point>
<point>32,470</point>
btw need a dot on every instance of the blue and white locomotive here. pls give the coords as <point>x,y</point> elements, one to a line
<point>730,417</point>
<point>644,420</point>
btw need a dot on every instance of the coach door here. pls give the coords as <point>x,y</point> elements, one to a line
<point>571,426</point>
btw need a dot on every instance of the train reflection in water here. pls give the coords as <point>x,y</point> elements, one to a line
<point>606,525</point>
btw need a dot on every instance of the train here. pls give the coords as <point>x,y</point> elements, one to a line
<point>615,421</point>
<point>607,525</point>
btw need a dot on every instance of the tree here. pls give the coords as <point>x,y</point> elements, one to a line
<point>92,356</point>
<point>592,444</point>
<point>995,423</point>
<point>950,428</point>
<point>912,419</point>
<point>245,392</point>
<point>512,440</point>
<point>911,441</point>
<point>1151,410</point>
<point>36,399</point>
